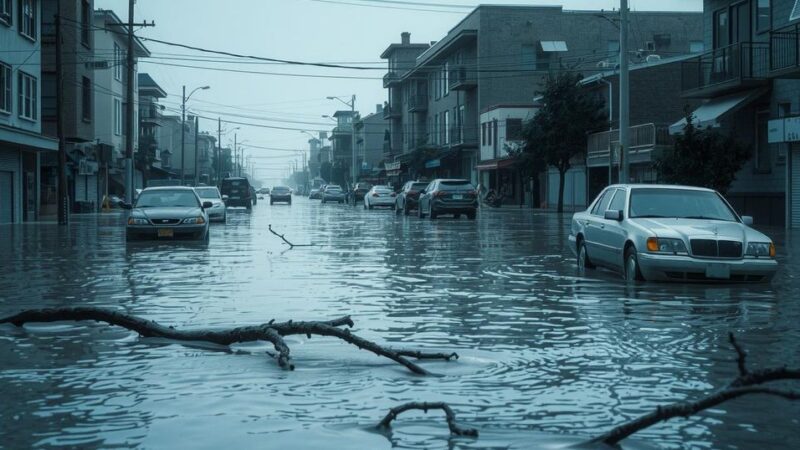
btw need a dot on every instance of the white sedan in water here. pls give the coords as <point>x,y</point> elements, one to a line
<point>670,233</point>
<point>379,196</point>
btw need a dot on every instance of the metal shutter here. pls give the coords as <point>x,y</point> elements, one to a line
<point>91,190</point>
<point>795,188</point>
<point>6,196</point>
<point>80,188</point>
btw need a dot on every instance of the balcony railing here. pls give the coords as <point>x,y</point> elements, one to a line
<point>643,139</point>
<point>391,112</point>
<point>461,79</point>
<point>738,66</point>
<point>784,51</point>
<point>390,79</point>
<point>417,103</point>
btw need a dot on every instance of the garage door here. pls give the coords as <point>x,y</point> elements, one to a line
<point>6,197</point>
<point>795,194</point>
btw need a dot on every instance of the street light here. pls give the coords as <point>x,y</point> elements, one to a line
<point>352,105</point>
<point>183,128</point>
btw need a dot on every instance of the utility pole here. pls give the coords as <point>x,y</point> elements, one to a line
<point>183,132</point>
<point>236,165</point>
<point>129,182</point>
<point>624,91</point>
<point>353,138</point>
<point>219,150</point>
<point>63,198</point>
<point>196,151</point>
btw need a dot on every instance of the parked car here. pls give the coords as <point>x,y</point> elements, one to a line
<point>264,191</point>
<point>446,196</point>
<point>333,193</point>
<point>359,191</point>
<point>280,194</point>
<point>238,192</point>
<point>168,213</point>
<point>379,196</point>
<point>218,210</point>
<point>670,233</point>
<point>315,194</point>
<point>408,197</point>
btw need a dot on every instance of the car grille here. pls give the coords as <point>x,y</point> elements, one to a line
<point>165,221</point>
<point>709,248</point>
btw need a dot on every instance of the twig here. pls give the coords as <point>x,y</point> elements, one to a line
<point>745,384</point>
<point>451,417</point>
<point>271,331</point>
<point>291,245</point>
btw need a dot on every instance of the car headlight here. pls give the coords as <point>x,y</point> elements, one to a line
<point>138,221</point>
<point>199,220</point>
<point>760,249</point>
<point>667,246</point>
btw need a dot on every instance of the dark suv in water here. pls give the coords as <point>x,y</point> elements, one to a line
<point>238,191</point>
<point>443,196</point>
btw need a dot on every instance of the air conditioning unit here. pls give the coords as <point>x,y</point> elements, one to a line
<point>653,58</point>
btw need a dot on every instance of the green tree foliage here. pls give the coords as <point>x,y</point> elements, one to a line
<point>557,133</point>
<point>703,157</point>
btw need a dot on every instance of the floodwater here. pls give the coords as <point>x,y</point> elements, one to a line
<point>548,357</point>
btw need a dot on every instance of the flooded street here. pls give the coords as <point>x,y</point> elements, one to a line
<point>545,353</point>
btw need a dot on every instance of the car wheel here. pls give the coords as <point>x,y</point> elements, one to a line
<point>365,205</point>
<point>370,206</point>
<point>249,207</point>
<point>583,257</point>
<point>271,203</point>
<point>432,213</point>
<point>420,214</point>
<point>323,201</point>
<point>631,272</point>
<point>405,210</point>
<point>456,216</point>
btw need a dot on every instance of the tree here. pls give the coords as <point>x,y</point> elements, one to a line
<point>557,133</point>
<point>703,157</point>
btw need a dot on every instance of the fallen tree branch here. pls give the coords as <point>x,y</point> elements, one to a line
<point>272,331</point>
<point>748,382</point>
<point>291,245</point>
<point>451,417</point>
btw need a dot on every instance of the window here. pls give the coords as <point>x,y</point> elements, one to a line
<point>696,47</point>
<point>27,107</point>
<point>483,133</point>
<point>513,129</point>
<point>460,122</point>
<point>117,117</point>
<point>488,133</point>
<point>764,13</point>
<point>446,83</point>
<point>763,156</point>
<point>435,133</point>
<point>86,22</point>
<point>118,62</point>
<point>618,202</point>
<point>740,25</point>
<point>5,11</point>
<point>446,130</point>
<point>86,96</point>
<point>721,29</point>
<point>494,136</point>
<point>27,18</point>
<point>5,88</point>
<point>529,57</point>
<point>602,203</point>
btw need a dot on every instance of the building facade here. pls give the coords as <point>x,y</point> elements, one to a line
<point>372,132</point>
<point>500,55</point>
<point>22,145</point>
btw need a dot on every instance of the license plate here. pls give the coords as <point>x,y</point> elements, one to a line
<point>165,232</point>
<point>718,271</point>
<point>235,197</point>
<point>458,197</point>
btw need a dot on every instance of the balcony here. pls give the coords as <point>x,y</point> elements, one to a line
<point>740,66</point>
<point>391,79</point>
<point>342,132</point>
<point>391,112</point>
<point>784,52</point>
<point>460,79</point>
<point>417,103</point>
<point>645,140</point>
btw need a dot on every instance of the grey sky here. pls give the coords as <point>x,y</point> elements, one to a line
<point>306,30</point>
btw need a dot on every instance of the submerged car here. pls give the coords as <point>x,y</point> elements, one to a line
<point>280,194</point>
<point>218,210</point>
<point>443,196</point>
<point>408,197</point>
<point>315,194</point>
<point>168,213</point>
<point>379,196</point>
<point>332,193</point>
<point>238,191</point>
<point>670,233</point>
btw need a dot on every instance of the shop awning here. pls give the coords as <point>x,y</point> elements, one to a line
<point>495,164</point>
<point>709,113</point>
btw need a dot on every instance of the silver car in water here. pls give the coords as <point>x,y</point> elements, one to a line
<point>670,233</point>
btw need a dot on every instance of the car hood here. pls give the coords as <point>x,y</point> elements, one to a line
<point>696,228</point>
<point>167,212</point>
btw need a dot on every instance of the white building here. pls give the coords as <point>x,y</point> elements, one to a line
<point>21,142</point>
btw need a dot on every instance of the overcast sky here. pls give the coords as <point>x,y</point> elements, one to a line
<point>304,30</point>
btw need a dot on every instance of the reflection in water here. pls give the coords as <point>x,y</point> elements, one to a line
<point>546,353</point>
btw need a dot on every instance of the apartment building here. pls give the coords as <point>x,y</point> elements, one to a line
<point>22,145</point>
<point>371,133</point>
<point>500,55</point>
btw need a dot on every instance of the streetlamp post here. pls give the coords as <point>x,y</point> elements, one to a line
<point>352,105</point>
<point>183,127</point>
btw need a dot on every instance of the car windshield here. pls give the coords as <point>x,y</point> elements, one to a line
<point>454,185</point>
<point>207,192</point>
<point>167,199</point>
<point>679,203</point>
<point>332,188</point>
<point>418,186</point>
<point>382,190</point>
<point>278,189</point>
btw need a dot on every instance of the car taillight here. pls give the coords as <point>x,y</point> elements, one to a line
<point>413,192</point>
<point>472,193</point>
<point>440,194</point>
<point>394,195</point>
<point>375,194</point>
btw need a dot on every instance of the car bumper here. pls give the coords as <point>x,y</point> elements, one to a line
<point>378,201</point>
<point>280,198</point>
<point>216,213</point>
<point>133,232</point>
<point>332,198</point>
<point>686,268</point>
<point>454,206</point>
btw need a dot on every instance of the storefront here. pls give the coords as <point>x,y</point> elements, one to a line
<point>20,155</point>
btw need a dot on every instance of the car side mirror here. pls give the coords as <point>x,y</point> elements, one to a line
<point>207,205</point>
<point>124,205</point>
<point>613,214</point>
<point>422,192</point>
<point>747,220</point>
<point>224,198</point>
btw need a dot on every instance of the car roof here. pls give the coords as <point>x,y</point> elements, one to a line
<point>660,186</point>
<point>451,180</point>
<point>169,188</point>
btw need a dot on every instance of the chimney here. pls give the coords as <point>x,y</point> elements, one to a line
<point>378,109</point>
<point>405,38</point>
